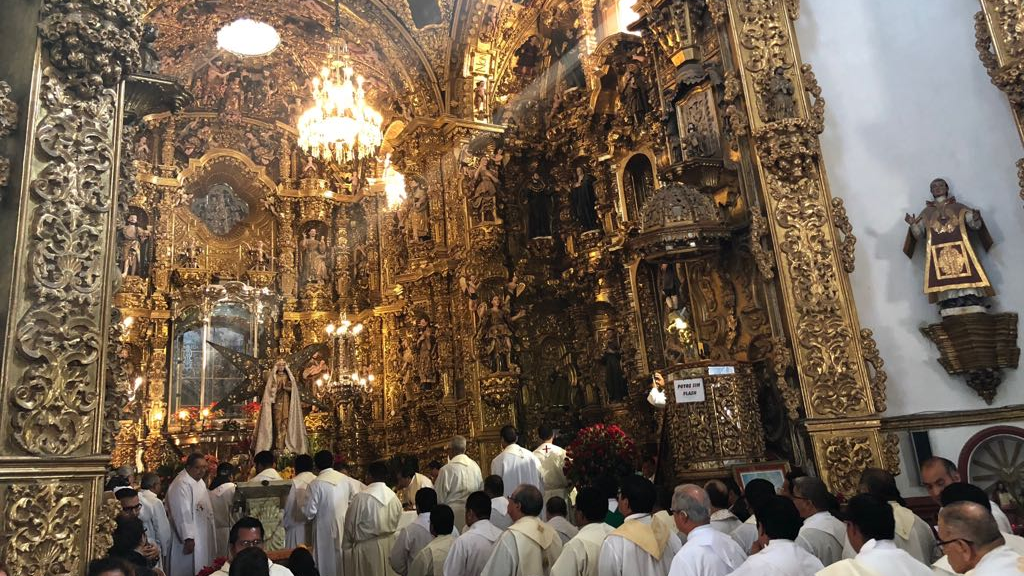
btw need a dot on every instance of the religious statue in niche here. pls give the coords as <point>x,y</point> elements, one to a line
<point>527,56</point>
<point>309,168</point>
<point>633,95</point>
<point>142,151</point>
<point>779,103</point>
<point>953,275</point>
<point>494,329</point>
<point>611,357</point>
<point>314,258</point>
<point>258,255</point>
<point>480,101</point>
<point>483,199</point>
<point>417,218</point>
<point>281,425</point>
<point>539,203</point>
<point>190,253</point>
<point>669,285</point>
<point>133,240</point>
<point>147,49</point>
<point>583,199</point>
<point>408,370</point>
<point>694,143</point>
<point>425,351</point>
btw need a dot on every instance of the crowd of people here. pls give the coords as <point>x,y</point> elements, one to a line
<point>518,522</point>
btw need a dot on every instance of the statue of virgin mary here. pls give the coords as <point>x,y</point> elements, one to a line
<point>281,425</point>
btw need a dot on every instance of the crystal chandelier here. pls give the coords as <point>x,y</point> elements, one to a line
<point>340,126</point>
<point>345,379</point>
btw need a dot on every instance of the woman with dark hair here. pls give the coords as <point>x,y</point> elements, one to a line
<point>301,563</point>
<point>250,562</point>
<point>108,567</point>
<point>129,539</point>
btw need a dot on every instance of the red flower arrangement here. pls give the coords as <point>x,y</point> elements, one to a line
<point>217,563</point>
<point>251,409</point>
<point>600,450</point>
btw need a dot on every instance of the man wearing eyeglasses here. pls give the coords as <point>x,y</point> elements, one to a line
<point>707,552</point>
<point>132,506</point>
<point>247,533</point>
<point>641,546</point>
<point>529,546</point>
<point>970,537</point>
<point>871,530</point>
<point>963,492</point>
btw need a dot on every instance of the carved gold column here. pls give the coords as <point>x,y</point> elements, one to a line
<point>1000,44</point>
<point>841,395</point>
<point>59,255</point>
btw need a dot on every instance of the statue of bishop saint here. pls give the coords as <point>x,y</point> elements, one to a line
<point>281,425</point>
<point>953,275</point>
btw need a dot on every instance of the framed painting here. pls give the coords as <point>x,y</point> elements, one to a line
<point>774,472</point>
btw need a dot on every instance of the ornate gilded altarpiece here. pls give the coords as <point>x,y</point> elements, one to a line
<point>587,215</point>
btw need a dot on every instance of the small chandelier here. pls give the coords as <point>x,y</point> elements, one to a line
<point>340,126</point>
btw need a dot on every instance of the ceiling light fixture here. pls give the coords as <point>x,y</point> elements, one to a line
<point>247,38</point>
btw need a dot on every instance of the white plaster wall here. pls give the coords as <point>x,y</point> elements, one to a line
<point>907,100</point>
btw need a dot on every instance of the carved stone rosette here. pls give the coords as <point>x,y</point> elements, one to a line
<point>813,244</point>
<point>54,391</point>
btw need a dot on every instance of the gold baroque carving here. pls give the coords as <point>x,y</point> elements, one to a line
<point>8,123</point>
<point>763,257</point>
<point>43,528</point>
<point>843,458</point>
<point>849,241</point>
<point>874,360</point>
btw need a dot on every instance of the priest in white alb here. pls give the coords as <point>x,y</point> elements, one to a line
<point>516,465</point>
<point>962,492</point>
<point>298,530</point>
<point>973,543</point>
<point>264,469</point>
<point>707,552</point>
<point>416,535</point>
<point>722,518</point>
<point>459,478</point>
<point>552,462</point>
<point>430,560</point>
<point>222,497</point>
<point>822,533</point>
<point>528,547</point>
<point>778,525</point>
<point>495,488</point>
<point>640,546</point>
<point>871,528</point>
<point>580,554</point>
<point>191,518</point>
<point>154,516</point>
<point>557,510</point>
<point>326,505</point>
<point>913,534</point>
<point>471,550</point>
<point>371,525</point>
<point>938,472</point>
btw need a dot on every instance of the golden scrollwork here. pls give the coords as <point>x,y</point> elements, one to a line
<point>780,359</point>
<point>42,527</point>
<point>848,241</point>
<point>763,257</point>
<point>874,360</point>
<point>8,123</point>
<point>846,456</point>
<point>891,452</point>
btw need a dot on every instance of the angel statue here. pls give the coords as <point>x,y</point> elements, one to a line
<point>468,286</point>
<point>494,332</point>
<point>258,254</point>
<point>281,424</point>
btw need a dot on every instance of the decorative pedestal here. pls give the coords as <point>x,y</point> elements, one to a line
<point>977,345</point>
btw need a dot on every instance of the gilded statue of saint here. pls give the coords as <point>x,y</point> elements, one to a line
<point>953,276</point>
<point>314,258</point>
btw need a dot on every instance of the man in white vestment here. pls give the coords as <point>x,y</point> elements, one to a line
<point>410,481</point>
<point>470,551</point>
<point>778,525</point>
<point>516,465</point>
<point>371,524</point>
<point>722,518</point>
<point>757,493</point>
<point>495,488</point>
<point>264,463</point>
<point>459,478</point>
<point>415,536</point>
<point>191,518</point>
<point>528,547</point>
<point>222,495</point>
<point>962,492</point>
<point>431,559</point>
<point>154,517</point>
<point>131,505</point>
<point>641,546</point>
<point>822,533</point>
<point>871,528</point>
<point>277,412</point>
<point>913,534</point>
<point>247,532</point>
<point>325,506</point>
<point>973,544</point>
<point>552,461</point>
<point>937,473</point>
<point>707,552</point>
<point>580,555</point>
<point>557,510</point>
<point>298,530</point>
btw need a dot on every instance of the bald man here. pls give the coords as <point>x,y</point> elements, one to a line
<point>707,552</point>
<point>972,542</point>
<point>937,473</point>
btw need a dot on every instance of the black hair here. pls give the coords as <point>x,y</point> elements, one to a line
<point>509,434</point>
<point>882,484</point>
<point>324,460</point>
<point>718,493</point>
<point>128,534</point>
<point>641,494</point>
<point>104,565</point>
<point>757,492</point>
<point>529,498</point>
<point>301,561</point>
<point>264,458</point>
<point>779,519</point>
<point>378,471</point>
<point>592,504</point>
<point>193,458</point>
<point>964,492</point>
<point>871,515</point>
<point>480,503</point>
<point>556,506</point>
<point>243,523</point>
<point>442,520</point>
<point>303,463</point>
<point>426,500</point>
<point>434,465</point>
<point>250,562</point>
<point>125,492</point>
<point>225,470</point>
<point>494,486</point>
<point>545,431</point>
